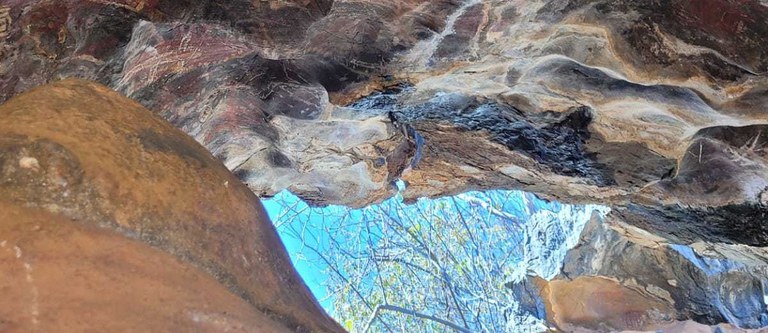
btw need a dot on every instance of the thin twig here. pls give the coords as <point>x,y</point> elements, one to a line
<point>412,313</point>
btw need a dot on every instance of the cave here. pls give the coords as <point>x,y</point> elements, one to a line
<point>383,166</point>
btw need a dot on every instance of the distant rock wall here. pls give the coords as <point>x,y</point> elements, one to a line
<point>628,279</point>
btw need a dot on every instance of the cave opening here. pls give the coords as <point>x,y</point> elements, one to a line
<point>433,263</point>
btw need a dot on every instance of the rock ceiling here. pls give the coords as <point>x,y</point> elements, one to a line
<point>654,108</point>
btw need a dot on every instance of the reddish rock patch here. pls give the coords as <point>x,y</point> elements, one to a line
<point>57,275</point>
<point>104,160</point>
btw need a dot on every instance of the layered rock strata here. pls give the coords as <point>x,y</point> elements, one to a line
<point>655,108</point>
<point>616,101</point>
<point>627,279</point>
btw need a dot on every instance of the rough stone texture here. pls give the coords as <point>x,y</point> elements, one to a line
<point>645,108</point>
<point>656,108</point>
<point>651,81</point>
<point>83,152</point>
<point>234,74</point>
<point>60,276</point>
<point>630,279</point>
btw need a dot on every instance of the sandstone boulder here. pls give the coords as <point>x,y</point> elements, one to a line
<point>86,154</point>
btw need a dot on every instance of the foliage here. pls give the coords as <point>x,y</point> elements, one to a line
<point>435,263</point>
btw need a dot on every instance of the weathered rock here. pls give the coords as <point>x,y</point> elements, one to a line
<point>656,108</point>
<point>645,76</point>
<point>650,74</point>
<point>606,305</point>
<point>222,71</point>
<point>665,99</point>
<point>60,275</point>
<point>84,152</point>
<point>629,279</point>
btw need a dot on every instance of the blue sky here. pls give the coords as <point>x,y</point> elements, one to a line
<point>303,260</point>
<point>508,205</point>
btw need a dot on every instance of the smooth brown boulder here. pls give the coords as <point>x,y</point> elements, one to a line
<point>60,276</point>
<point>601,304</point>
<point>82,151</point>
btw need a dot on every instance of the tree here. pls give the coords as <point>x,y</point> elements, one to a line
<point>437,265</point>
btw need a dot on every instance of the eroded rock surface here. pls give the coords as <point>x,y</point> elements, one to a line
<point>583,101</point>
<point>95,159</point>
<point>655,108</point>
<point>627,279</point>
<point>68,277</point>
<point>229,73</point>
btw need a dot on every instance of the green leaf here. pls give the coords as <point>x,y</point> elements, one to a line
<point>348,325</point>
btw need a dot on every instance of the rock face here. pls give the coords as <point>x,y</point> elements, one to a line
<point>655,108</point>
<point>241,77</point>
<point>582,101</point>
<point>89,158</point>
<point>629,279</point>
<point>604,100</point>
<point>68,277</point>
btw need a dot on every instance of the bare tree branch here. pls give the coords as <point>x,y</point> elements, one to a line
<point>412,313</point>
